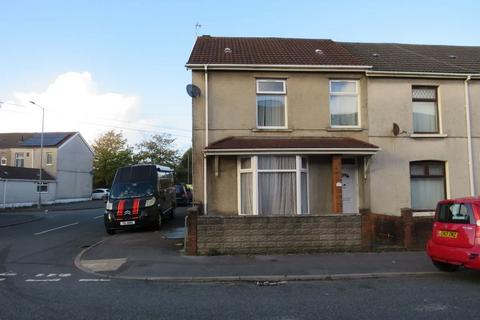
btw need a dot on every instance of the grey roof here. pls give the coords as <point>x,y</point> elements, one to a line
<point>270,51</point>
<point>32,139</point>
<point>19,173</point>
<point>417,58</point>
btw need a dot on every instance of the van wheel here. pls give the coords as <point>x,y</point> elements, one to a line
<point>110,231</point>
<point>446,267</point>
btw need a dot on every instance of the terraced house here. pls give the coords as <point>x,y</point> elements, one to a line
<point>314,127</point>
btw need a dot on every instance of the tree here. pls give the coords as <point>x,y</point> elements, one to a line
<point>183,170</point>
<point>158,149</point>
<point>110,153</point>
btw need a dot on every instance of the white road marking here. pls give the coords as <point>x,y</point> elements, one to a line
<point>98,217</point>
<point>8,274</point>
<point>64,275</point>
<point>61,227</point>
<point>94,280</point>
<point>40,275</point>
<point>51,275</point>
<point>43,280</point>
<point>2,279</point>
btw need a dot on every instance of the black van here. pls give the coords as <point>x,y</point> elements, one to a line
<point>141,196</point>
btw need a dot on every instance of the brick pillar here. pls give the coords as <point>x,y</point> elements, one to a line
<point>191,243</point>
<point>407,219</point>
<point>367,229</point>
<point>337,206</point>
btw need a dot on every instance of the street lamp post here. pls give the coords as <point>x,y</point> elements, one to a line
<point>40,180</point>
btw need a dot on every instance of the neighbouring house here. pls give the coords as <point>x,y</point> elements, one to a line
<point>317,128</point>
<point>67,159</point>
<point>19,186</point>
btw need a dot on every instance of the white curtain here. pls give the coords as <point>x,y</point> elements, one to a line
<point>426,192</point>
<point>343,110</point>
<point>424,116</point>
<point>276,190</point>
<point>277,194</point>
<point>304,186</point>
<point>271,110</point>
<point>246,201</point>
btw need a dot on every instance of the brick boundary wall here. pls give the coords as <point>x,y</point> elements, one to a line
<point>405,231</point>
<point>274,234</point>
<point>211,235</point>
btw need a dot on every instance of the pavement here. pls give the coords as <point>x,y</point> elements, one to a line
<point>159,256</point>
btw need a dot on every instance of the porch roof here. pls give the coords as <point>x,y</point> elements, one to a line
<point>290,145</point>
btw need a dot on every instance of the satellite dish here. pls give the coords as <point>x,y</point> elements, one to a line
<point>193,91</point>
<point>395,129</point>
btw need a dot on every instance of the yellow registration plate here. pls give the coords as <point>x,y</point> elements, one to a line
<point>448,234</point>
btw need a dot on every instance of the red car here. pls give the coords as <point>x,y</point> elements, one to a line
<point>455,239</point>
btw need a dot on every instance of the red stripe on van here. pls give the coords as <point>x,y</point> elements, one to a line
<point>136,206</point>
<point>121,207</point>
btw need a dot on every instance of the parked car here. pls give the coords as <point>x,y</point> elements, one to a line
<point>455,239</point>
<point>100,194</point>
<point>183,194</point>
<point>141,196</point>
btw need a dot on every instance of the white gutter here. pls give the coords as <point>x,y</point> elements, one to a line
<point>206,144</point>
<point>371,73</point>
<point>279,67</point>
<point>469,137</point>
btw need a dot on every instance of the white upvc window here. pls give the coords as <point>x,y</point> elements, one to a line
<point>344,104</point>
<point>271,104</point>
<point>273,185</point>
<point>3,161</point>
<point>49,160</point>
<point>42,188</point>
<point>425,109</point>
<point>19,160</point>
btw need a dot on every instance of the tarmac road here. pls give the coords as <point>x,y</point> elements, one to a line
<point>38,280</point>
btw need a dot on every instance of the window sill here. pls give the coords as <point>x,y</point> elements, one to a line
<point>271,130</point>
<point>428,135</point>
<point>333,129</point>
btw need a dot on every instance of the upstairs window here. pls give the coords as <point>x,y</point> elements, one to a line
<point>19,160</point>
<point>42,188</point>
<point>427,184</point>
<point>3,161</point>
<point>271,104</point>
<point>344,105</point>
<point>49,158</point>
<point>425,109</point>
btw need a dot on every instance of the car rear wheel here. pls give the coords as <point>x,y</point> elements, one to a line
<point>110,231</point>
<point>446,267</point>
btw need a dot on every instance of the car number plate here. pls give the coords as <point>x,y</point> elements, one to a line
<point>126,223</point>
<point>448,234</point>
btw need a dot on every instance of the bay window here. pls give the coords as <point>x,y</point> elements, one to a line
<point>273,185</point>
<point>271,104</point>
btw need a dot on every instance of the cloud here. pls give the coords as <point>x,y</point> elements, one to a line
<point>72,103</point>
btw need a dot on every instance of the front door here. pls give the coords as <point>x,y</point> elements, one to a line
<point>349,188</point>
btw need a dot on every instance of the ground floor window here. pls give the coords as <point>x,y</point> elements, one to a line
<point>42,187</point>
<point>427,184</point>
<point>273,185</point>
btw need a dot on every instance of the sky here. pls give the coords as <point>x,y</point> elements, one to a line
<point>101,65</point>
